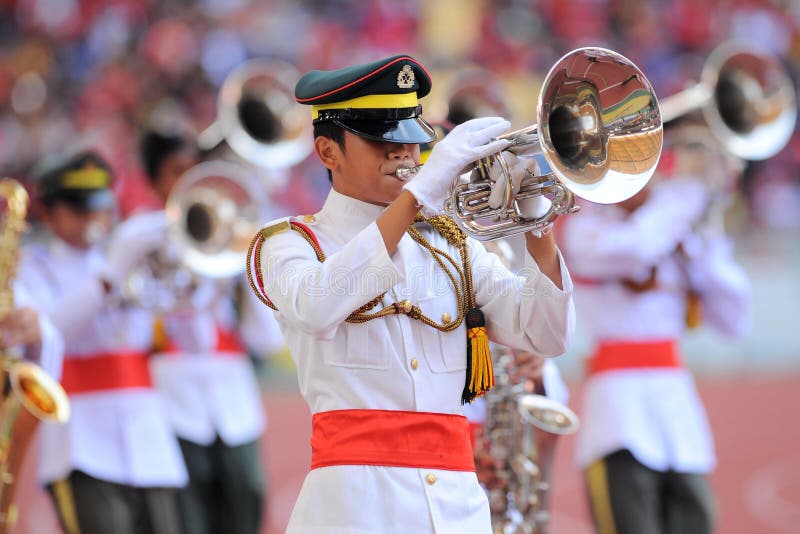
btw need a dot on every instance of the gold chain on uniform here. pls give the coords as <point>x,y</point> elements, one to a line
<point>448,229</point>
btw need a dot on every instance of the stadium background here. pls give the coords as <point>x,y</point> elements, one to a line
<point>94,70</point>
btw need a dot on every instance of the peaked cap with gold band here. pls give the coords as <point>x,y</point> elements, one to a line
<point>82,180</point>
<point>377,101</point>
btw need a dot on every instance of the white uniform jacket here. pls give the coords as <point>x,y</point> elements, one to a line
<point>208,379</point>
<point>394,363</point>
<point>653,412</point>
<point>117,435</point>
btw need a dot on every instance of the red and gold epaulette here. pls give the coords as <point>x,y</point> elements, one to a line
<point>254,276</point>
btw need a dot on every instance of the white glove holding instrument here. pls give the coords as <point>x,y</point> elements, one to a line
<point>465,144</point>
<point>530,208</point>
<point>131,241</point>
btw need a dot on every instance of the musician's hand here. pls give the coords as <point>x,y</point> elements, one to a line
<point>527,368</point>
<point>20,327</point>
<point>131,241</point>
<point>465,144</point>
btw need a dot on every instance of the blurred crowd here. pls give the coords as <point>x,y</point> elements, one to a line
<point>96,71</point>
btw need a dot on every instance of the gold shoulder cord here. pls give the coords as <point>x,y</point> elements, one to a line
<point>480,377</point>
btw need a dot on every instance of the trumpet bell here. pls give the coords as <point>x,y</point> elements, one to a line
<point>212,213</point>
<point>599,131</point>
<point>258,117</point>
<point>754,104</point>
<point>600,125</point>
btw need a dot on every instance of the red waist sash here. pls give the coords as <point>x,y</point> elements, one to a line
<point>106,371</point>
<point>611,355</point>
<point>391,438</point>
<point>228,344</point>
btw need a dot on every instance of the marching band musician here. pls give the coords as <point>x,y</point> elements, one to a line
<point>115,465</point>
<point>212,393</point>
<point>644,265</point>
<point>388,331</point>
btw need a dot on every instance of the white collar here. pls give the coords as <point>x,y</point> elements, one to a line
<point>349,211</point>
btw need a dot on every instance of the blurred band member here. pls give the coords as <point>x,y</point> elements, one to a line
<point>115,465</point>
<point>645,266</point>
<point>204,371</point>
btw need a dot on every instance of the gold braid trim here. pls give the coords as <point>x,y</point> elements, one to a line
<point>442,224</point>
<point>480,374</point>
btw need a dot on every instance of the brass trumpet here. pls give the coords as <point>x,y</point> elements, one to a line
<point>599,131</point>
<point>257,116</point>
<point>211,214</point>
<point>747,99</point>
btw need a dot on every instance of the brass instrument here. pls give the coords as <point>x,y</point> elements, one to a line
<point>27,395</point>
<point>599,130</point>
<point>474,92</point>
<point>515,437</point>
<point>747,99</point>
<point>211,214</point>
<point>518,436</point>
<point>257,116</point>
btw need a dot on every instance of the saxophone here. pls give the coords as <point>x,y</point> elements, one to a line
<point>518,442</point>
<point>514,450</point>
<point>28,395</point>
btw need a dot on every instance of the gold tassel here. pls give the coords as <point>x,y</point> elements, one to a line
<point>160,338</point>
<point>694,310</point>
<point>480,373</point>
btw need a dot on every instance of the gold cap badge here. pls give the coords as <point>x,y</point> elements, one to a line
<point>405,78</point>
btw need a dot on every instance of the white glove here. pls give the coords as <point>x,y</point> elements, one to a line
<point>465,144</point>
<point>131,241</point>
<point>530,208</point>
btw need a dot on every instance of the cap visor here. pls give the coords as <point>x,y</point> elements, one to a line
<point>96,200</point>
<point>411,131</point>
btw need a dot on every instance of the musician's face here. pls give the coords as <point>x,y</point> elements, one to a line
<point>170,170</point>
<point>77,227</point>
<point>364,169</point>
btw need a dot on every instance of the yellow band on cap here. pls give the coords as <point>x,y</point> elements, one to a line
<point>87,178</point>
<point>405,100</point>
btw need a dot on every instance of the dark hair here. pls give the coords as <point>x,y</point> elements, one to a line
<point>332,131</point>
<point>155,147</point>
<point>48,176</point>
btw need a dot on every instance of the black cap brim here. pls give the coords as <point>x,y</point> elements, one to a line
<point>410,131</point>
<point>90,200</point>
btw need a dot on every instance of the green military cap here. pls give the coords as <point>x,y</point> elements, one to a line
<point>377,101</point>
<point>82,180</point>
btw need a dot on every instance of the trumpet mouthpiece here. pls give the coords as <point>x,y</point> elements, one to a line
<point>407,173</point>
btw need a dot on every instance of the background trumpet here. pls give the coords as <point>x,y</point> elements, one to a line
<point>747,99</point>
<point>211,214</point>
<point>257,116</point>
